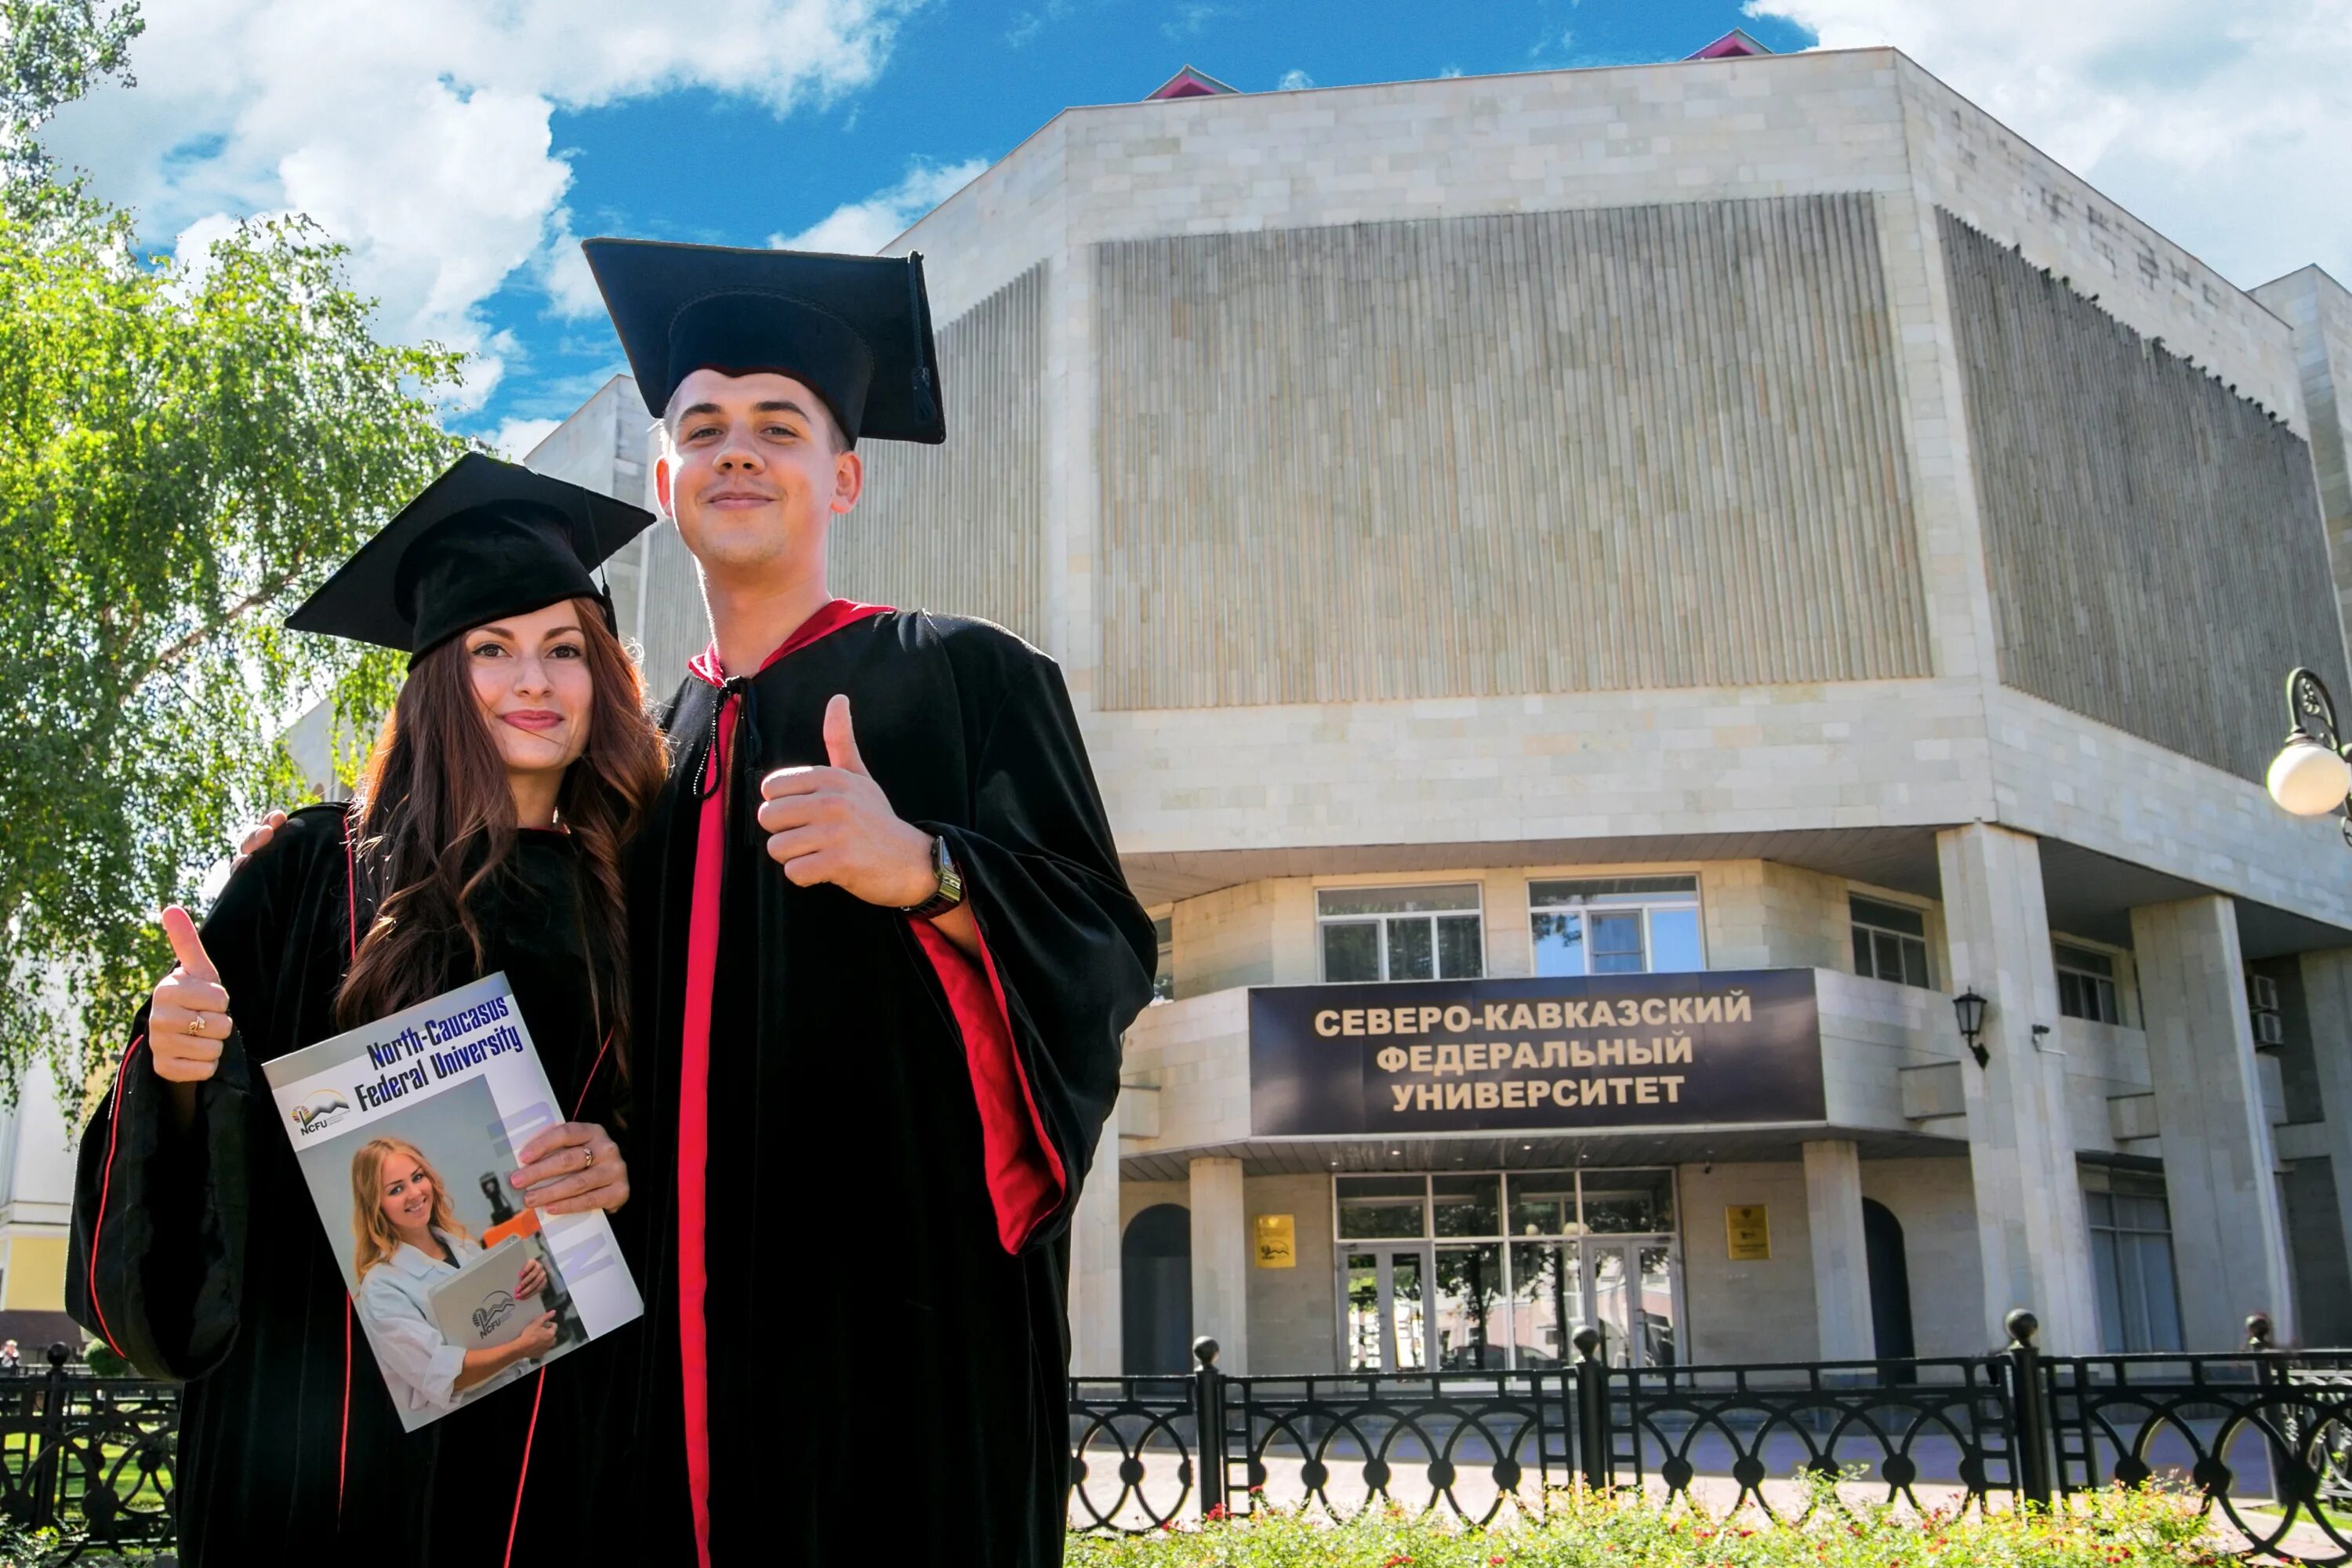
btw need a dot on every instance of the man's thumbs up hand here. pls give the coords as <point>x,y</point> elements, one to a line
<point>840,743</point>
<point>188,1018</point>
<point>835,825</point>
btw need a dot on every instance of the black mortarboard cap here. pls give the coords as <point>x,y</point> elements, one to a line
<point>856,330</point>
<point>486,539</point>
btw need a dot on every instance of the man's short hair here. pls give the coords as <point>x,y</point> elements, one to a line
<point>823,413</point>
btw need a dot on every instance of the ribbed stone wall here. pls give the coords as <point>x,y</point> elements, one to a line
<point>960,528</point>
<point>2152,539</point>
<point>1630,447</point>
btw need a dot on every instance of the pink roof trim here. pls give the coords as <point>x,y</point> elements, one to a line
<point>1731,46</point>
<point>1188,83</point>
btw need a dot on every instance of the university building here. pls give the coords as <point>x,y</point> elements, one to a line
<point>1602,603</point>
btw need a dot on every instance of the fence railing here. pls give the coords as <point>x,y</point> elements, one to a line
<point>2264,1437</point>
<point>90,1455</point>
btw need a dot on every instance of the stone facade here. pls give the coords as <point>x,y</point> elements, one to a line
<point>1377,647</point>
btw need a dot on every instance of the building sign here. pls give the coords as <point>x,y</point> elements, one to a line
<point>1746,1233</point>
<point>1606,1050</point>
<point>1278,1241</point>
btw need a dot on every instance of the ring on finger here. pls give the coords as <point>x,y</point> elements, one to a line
<point>587,1156</point>
<point>195,1024</point>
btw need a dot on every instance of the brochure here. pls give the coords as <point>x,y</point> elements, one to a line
<point>405,1130</point>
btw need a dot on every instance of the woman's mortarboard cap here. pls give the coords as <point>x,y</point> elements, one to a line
<point>485,540</point>
<point>856,330</point>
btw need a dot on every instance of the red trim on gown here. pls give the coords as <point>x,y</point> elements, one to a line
<point>693,1058</point>
<point>106,1185</point>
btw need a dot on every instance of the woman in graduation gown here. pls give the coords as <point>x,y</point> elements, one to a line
<point>488,836</point>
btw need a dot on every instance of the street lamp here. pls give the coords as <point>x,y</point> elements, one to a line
<point>1969,1009</point>
<point>2311,775</point>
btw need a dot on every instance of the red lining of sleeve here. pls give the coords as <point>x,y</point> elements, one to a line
<point>106,1185</point>
<point>1025,1179</point>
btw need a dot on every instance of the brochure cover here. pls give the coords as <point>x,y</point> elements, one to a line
<point>405,1130</point>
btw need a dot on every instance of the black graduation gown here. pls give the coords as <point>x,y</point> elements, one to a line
<point>199,1256</point>
<point>886,1377</point>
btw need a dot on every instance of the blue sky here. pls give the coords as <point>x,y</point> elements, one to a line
<point>461,147</point>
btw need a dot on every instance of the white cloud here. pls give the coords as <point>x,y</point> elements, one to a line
<point>862,228</point>
<point>2223,126</point>
<point>563,276</point>
<point>1192,19</point>
<point>1293,79</point>
<point>515,437</point>
<point>417,132</point>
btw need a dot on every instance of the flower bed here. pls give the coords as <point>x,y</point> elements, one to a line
<point>2146,1527</point>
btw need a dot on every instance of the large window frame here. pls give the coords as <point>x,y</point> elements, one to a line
<point>1580,925</point>
<point>1885,938</point>
<point>2135,1271</point>
<point>1587,1212</point>
<point>1430,930</point>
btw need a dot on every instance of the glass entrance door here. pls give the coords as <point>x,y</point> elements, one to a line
<point>1387,1318</point>
<point>1485,1270</point>
<point>1608,1304</point>
<point>1630,1298</point>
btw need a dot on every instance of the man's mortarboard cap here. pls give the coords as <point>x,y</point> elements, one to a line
<point>485,540</point>
<point>856,330</point>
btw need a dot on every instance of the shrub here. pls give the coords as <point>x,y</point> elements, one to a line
<point>2143,1528</point>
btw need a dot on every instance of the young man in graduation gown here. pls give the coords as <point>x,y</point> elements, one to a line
<point>885,957</point>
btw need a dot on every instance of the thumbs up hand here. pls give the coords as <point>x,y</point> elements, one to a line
<point>835,825</point>
<point>188,1018</point>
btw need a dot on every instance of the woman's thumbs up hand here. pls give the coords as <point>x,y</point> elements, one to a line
<point>188,1018</point>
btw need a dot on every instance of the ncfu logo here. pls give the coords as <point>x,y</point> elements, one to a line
<point>320,1108</point>
<point>495,1308</point>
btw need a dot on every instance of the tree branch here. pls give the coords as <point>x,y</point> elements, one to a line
<point>194,638</point>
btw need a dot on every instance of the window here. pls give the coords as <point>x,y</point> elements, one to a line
<point>2131,1254</point>
<point>1401,933</point>
<point>1890,942</point>
<point>1616,925</point>
<point>1163,978</point>
<point>1484,1269</point>
<point>2086,983</point>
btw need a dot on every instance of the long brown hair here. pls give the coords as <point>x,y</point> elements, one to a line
<point>436,823</point>
<point>374,1240</point>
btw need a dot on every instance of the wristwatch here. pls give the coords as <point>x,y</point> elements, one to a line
<point>948,893</point>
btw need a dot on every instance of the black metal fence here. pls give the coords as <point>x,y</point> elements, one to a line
<point>90,1455</point>
<point>2263,1435</point>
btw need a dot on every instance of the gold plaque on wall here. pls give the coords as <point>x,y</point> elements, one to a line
<point>1748,1232</point>
<point>1278,1241</point>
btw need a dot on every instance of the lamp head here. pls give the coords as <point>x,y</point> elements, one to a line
<point>2308,778</point>
<point>1968,1012</point>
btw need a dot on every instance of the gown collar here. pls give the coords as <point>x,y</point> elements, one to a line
<point>830,616</point>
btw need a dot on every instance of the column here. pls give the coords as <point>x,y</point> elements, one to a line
<point>1841,1256</point>
<point>2221,1178</point>
<point>2031,1233</point>
<point>1221,1261</point>
<point>1096,1303</point>
<point>2327,1015</point>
